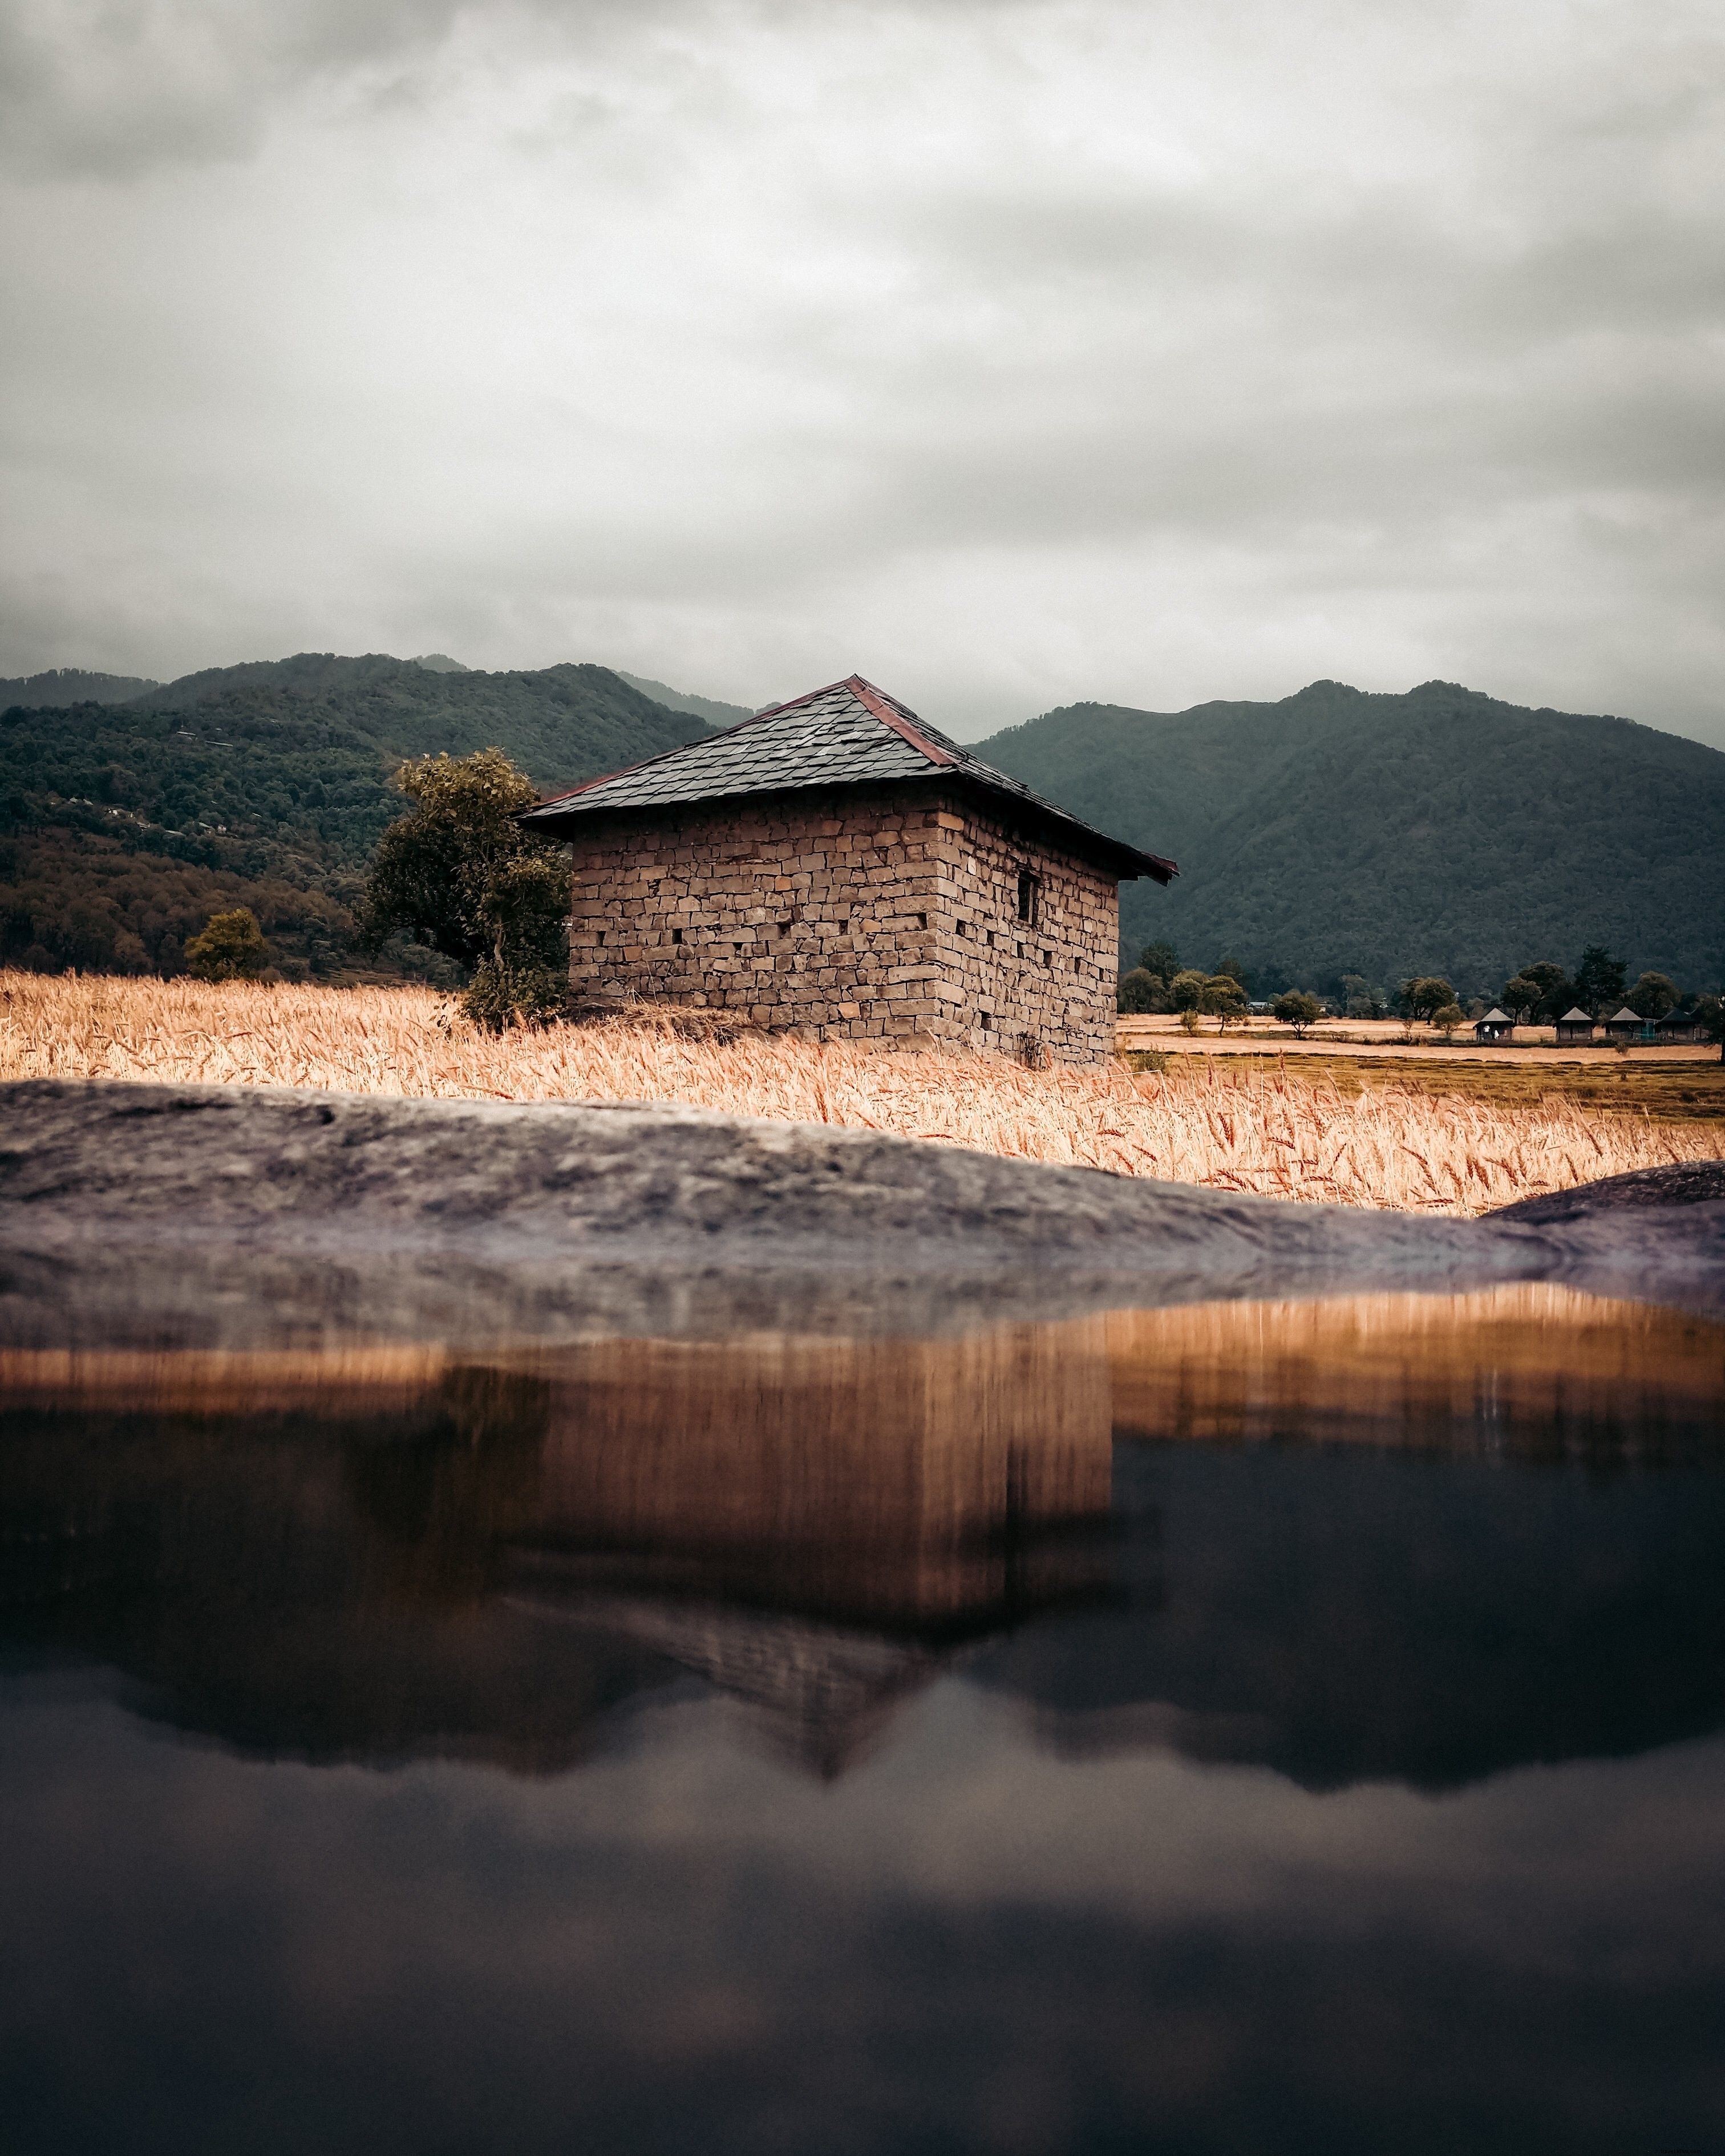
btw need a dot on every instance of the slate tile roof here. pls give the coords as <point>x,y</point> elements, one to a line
<point>847,734</point>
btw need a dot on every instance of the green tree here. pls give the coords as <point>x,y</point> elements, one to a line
<point>459,873</point>
<point>1710,1014</point>
<point>1448,1019</point>
<point>1425,995</point>
<point>1359,998</point>
<point>1556,991</point>
<point>1160,958</point>
<point>230,948</point>
<point>1300,1008</point>
<point>1600,981</point>
<point>1140,991</point>
<point>1522,998</point>
<point>1224,999</point>
<point>1653,995</point>
<point>1236,971</point>
<point>1186,990</point>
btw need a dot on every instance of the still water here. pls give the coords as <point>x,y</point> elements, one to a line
<point>1247,1728</point>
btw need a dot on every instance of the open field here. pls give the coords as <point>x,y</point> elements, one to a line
<point>1252,1127</point>
<point>1687,1086</point>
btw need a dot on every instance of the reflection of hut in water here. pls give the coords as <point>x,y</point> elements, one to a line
<point>816,1525</point>
<point>468,1560</point>
<point>1495,1025</point>
<point>1575,1027</point>
<point>902,1481</point>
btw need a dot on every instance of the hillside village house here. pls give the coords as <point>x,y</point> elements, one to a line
<point>1575,1027</point>
<point>834,866</point>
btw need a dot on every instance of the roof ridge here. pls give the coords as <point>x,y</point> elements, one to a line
<point>903,721</point>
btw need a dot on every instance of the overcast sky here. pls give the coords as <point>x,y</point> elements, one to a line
<point>1011,354</point>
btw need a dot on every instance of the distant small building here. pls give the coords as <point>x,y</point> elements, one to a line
<point>1575,1027</point>
<point>1495,1025</point>
<point>1680,1025</point>
<point>1628,1025</point>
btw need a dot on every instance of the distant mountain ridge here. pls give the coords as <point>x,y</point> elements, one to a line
<point>122,827</point>
<point>1339,831</point>
<point>716,714</point>
<point>72,684</point>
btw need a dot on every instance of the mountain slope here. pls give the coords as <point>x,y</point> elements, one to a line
<point>265,785</point>
<point>716,714</point>
<point>72,684</point>
<point>1442,831</point>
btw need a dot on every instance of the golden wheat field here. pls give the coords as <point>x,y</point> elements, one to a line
<point>1266,1131</point>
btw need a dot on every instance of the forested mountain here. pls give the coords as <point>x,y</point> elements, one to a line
<point>122,828</point>
<point>1339,832</point>
<point>678,700</point>
<point>72,684</point>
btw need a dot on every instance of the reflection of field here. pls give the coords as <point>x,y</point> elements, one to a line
<point>1528,1367</point>
<point>1234,1124</point>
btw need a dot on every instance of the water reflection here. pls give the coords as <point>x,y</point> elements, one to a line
<point>387,1551</point>
<point>1275,1727</point>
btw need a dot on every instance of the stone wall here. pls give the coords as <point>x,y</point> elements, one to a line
<point>890,915</point>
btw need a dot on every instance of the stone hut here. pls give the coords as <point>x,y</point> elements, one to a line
<point>1575,1028</point>
<point>1495,1025</point>
<point>835,866</point>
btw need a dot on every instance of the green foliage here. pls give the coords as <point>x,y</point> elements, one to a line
<point>1223,997</point>
<point>1298,1008</point>
<point>1440,831</point>
<point>1426,995</point>
<point>524,993</point>
<point>1653,995</point>
<point>1359,998</point>
<point>1186,990</point>
<point>267,785</point>
<point>1234,971</point>
<point>1140,991</point>
<point>1554,991</point>
<point>1448,1018</point>
<point>1522,998</point>
<point>231,947</point>
<point>1160,958</point>
<point>459,873</point>
<point>1600,981</point>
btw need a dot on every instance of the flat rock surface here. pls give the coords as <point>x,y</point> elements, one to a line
<point>232,1214</point>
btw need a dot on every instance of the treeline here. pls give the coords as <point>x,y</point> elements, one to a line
<point>125,827</point>
<point>1537,994</point>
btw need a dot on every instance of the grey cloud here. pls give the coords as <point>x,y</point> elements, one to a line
<point>1030,351</point>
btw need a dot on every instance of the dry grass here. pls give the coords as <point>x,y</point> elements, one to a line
<point>1253,1129</point>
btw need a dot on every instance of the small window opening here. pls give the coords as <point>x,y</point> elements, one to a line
<point>602,936</point>
<point>676,936</point>
<point>784,927</point>
<point>963,928</point>
<point>922,922</point>
<point>991,939</point>
<point>1029,898</point>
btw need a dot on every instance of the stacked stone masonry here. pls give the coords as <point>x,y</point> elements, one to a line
<point>900,917</point>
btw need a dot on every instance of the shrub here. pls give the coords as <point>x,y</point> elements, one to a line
<point>522,995</point>
<point>231,947</point>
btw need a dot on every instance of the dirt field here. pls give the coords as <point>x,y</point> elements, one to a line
<point>1661,1088</point>
<point>1233,1123</point>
